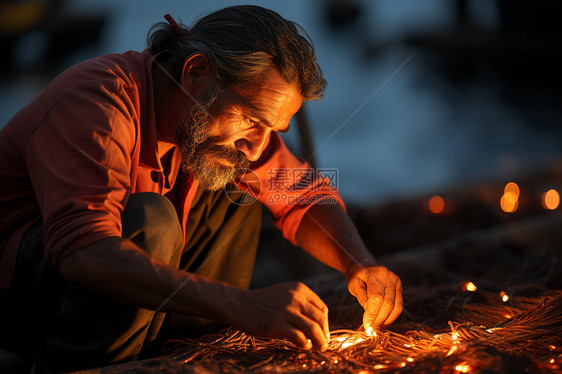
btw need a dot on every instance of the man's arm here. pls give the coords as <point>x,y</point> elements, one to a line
<point>118,269</point>
<point>327,233</point>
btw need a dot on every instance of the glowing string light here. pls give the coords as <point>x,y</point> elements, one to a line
<point>463,368</point>
<point>470,287</point>
<point>349,342</point>
<point>504,296</point>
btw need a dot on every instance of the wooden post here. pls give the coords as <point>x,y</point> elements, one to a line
<point>303,125</point>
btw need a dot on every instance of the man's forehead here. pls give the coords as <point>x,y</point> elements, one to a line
<point>276,115</point>
<point>269,119</point>
<point>273,102</point>
<point>270,84</point>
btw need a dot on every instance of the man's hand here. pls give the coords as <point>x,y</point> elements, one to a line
<point>379,291</point>
<point>288,311</point>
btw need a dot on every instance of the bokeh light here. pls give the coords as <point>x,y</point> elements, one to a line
<point>436,204</point>
<point>550,199</point>
<point>509,203</point>
<point>511,189</point>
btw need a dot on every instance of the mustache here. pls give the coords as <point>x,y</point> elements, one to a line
<point>231,155</point>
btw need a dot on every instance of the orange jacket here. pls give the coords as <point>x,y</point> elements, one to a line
<point>74,154</point>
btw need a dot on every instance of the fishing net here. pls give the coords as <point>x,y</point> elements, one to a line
<point>501,316</point>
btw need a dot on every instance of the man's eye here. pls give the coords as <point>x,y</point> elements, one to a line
<point>252,123</point>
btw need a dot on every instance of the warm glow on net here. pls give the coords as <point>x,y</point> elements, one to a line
<point>550,199</point>
<point>436,204</point>
<point>463,368</point>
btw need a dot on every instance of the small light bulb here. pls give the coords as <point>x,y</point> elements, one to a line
<point>471,287</point>
<point>504,296</point>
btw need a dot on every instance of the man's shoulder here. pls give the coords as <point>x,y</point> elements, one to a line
<point>102,83</point>
<point>129,69</point>
<point>100,95</point>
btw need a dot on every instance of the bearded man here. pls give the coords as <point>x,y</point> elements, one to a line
<point>112,201</point>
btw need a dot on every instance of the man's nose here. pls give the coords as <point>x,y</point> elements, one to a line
<point>253,145</point>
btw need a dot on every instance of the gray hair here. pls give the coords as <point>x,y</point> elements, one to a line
<point>241,43</point>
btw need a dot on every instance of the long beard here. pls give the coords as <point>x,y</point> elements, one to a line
<point>200,155</point>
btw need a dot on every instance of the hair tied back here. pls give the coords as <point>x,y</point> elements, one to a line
<point>178,29</point>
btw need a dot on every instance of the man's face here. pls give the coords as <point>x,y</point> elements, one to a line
<point>229,128</point>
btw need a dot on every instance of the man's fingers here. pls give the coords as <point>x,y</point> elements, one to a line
<point>318,311</point>
<point>379,292</point>
<point>296,336</point>
<point>290,311</point>
<point>315,300</point>
<point>398,305</point>
<point>311,317</point>
<point>312,330</point>
<point>386,308</point>
<point>372,308</point>
<point>320,317</point>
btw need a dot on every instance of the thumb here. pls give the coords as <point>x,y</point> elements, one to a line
<point>372,308</point>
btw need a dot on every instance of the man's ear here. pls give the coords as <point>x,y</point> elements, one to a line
<point>196,75</point>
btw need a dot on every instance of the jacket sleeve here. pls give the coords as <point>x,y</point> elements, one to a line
<point>289,186</point>
<point>79,160</point>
